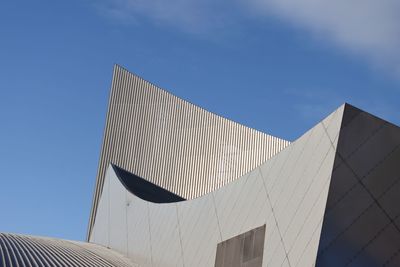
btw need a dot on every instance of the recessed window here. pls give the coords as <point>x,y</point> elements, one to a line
<point>244,250</point>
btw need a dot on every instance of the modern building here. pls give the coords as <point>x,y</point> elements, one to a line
<point>180,186</point>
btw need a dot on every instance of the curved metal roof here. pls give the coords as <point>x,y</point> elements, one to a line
<point>175,144</point>
<point>22,250</point>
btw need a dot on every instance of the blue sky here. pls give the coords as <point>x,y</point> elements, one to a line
<point>279,66</point>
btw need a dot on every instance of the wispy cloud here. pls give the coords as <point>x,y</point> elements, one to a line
<point>194,16</point>
<point>368,28</point>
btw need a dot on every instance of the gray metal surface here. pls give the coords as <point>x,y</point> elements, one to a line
<point>331,198</point>
<point>286,193</point>
<point>173,143</point>
<point>29,251</point>
<point>360,228</point>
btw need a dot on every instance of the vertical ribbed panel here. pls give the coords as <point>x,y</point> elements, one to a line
<point>173,143</point>
<point>28,251</point>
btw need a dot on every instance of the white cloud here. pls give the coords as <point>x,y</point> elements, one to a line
<point>370,28</point>
<point>194,16</point>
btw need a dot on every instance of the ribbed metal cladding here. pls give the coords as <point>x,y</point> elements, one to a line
<point>21,251</point>
<point>173,143</point>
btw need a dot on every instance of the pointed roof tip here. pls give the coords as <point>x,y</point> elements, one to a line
<point>350,111</point>
<point>348,106</point>
<point>119,67</point>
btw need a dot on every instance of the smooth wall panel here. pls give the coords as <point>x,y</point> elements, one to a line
<point>101,229</point>
<point>138,231</point>
<point>166,236</point>
<point>199,228</point>
<point>238,213</point>
<point>117,215</point>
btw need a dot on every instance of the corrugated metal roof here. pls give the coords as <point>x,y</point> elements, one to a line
<point>22,250</point>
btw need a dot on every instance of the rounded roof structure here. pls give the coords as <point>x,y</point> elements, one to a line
<point>22,250</point>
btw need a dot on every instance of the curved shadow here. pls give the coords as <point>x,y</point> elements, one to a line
<point>144,189</point>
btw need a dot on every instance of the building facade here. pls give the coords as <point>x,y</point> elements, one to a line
<point>173,143</point>
<point>180,186</point>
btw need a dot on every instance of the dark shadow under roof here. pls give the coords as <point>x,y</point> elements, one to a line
<point>145,189</point>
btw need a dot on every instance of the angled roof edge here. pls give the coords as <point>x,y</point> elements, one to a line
<point>118,66</point>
